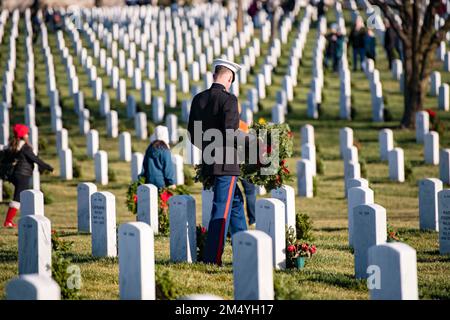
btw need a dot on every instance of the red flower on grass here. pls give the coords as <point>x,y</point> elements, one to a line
<point>203,230</point>
<point>285,170</point>
<point>312,249</point>
<point>135,198</point>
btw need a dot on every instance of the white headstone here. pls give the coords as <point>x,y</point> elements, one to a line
<point>157,109</point>
<point>136,165</point>
<point>92,142</point>
<point>444,166</point>
<point>396,165</point>
<point>35,246</point>
<point>356,196</point>
<point>286,194</point>
<point>397,266</point>
<point>33,287</point>
<point>178,166</point>
<point>147,206</point>
<point>270,218</point>
<point>422,125</point>
<point>369,224</point>
<point>308,152</point>
<point>136,262</point>
<point>112,124</point>
<point>125,146</point>
<point>444,221</point>
<point>252,266</point>
<point>104,237</point>
<point>444,97</point>
<point>345,139</point>
<point>66,166</point>
<point>183,241</point>
<point>101,167</point>
<point>386,141</point>
<point>31,203</point>
<point>84,193</point>
<point>140,125</point>
<point>307,134</point>
<point>304,179</point>
<point>431,148</point>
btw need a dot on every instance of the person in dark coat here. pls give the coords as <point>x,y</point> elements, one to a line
<point>157,166</point>
<point>215,111</point>
<point>356,40</point>
<point>24,159</point>
<point>370,44</point>
<point>391,42</point>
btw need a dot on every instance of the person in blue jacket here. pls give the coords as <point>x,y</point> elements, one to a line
<point>157,167</point>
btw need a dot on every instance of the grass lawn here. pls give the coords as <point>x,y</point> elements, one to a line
<point>329,275</point>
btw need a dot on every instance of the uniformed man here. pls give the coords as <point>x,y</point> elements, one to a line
<point>216,108</point>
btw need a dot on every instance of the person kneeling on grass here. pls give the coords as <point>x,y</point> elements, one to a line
<point>157,167</point>
<point>23,164</point>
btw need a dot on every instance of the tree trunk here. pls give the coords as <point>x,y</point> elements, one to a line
<point>414,96</point>
<point>240,17</point>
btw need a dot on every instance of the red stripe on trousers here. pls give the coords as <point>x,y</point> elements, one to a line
<point>224,223</point>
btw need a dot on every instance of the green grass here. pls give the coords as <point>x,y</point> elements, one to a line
<point>329,275</point>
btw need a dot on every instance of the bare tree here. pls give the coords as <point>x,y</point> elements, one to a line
<point>414,24</point>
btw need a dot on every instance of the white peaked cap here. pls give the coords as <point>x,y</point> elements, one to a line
<point>234,67</point>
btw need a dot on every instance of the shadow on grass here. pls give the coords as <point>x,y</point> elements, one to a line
<point>347,281</point>
<point>88,258</point>
<point>333,229</point>
<point>8,255</point>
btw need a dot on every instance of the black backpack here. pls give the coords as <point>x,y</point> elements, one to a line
<point>8,163</point>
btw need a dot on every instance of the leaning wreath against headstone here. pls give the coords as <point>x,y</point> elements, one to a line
<point>164,195</point>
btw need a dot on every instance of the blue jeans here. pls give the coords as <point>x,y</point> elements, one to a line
<point>358,52</point>
<point>227,211</point>
<point>250,197</point>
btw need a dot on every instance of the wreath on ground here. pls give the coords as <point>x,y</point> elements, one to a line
<point>164,194</point>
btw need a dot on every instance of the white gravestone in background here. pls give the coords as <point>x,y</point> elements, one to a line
<point>101,167</point>
<point>287,195</point>
<point>84,193</point>
<point>428,203</point>
<point>444,221</point>
<point>31,203</point>
<point>356,196</point>
<point>103,210</point>
<point>369,223</point>
<point>183,242</point>
<point>270,218</point>
<point>147,206</point>
<point>252,266</point>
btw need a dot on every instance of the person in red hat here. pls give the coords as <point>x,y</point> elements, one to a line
<point>24,159</point>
